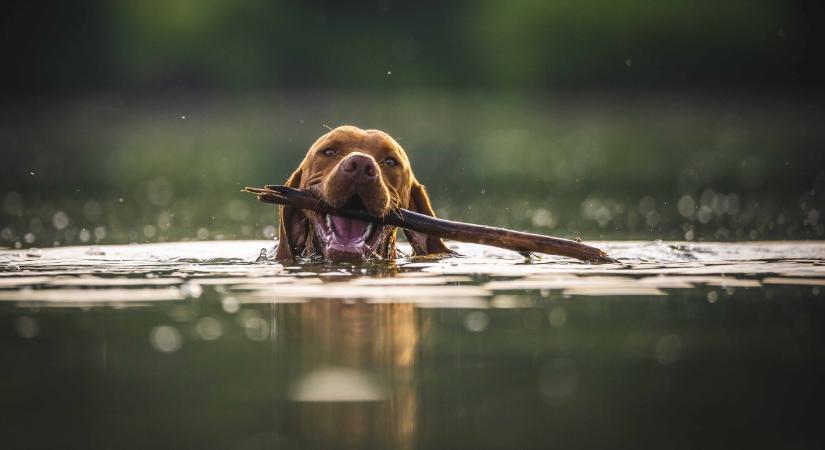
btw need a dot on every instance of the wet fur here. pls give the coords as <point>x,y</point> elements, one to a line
<point>395,187</point>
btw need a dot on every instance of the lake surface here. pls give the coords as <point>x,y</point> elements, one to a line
<point>116,169</point>
<point>199,345</point>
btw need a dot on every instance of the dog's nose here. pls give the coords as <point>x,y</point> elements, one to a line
<point>359,167</point>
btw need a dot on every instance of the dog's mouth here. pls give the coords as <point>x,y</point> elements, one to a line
<point>345,239</point>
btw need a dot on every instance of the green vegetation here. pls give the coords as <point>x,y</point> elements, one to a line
<point>599,119</point>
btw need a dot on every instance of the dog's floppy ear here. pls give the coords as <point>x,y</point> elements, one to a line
<point>421,243</point>
<point>293,230</point>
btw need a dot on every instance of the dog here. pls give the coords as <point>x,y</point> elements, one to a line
<point>354,169</point>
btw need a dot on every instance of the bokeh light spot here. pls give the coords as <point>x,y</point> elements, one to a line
<point>165,339</point>
<point>668,349</point>
<point>557,316</point>
<point>476,321</point>
<point>558,379</point>
<point>27,327</point>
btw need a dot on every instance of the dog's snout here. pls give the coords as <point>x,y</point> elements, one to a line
<point>359,167</point>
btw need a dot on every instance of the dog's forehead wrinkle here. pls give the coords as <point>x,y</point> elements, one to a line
<point>325,143</point>
<point>349,138</point>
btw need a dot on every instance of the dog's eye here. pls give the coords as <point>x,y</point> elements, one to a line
<point>390,161</point>
<point>329,152</point>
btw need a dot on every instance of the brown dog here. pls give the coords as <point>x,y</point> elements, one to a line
<point>358,169</point>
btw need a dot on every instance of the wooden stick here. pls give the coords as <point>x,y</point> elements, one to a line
<point>442,228</point>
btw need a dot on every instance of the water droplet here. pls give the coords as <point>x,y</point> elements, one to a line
<point>668,349</point>
<point>209,328</point>
<point>27,327</point>
<point>812,217</point>
<point>13,204</point>
<point>191,289</point>
<point>182,313</point>
<point>269,231</point>
<point>686,206</point>
<point>557,317</point>
<point>338,384</point>
<point>558,379</point>
<point>60,220</point>
<point>92,210</point>
<point>476,321</point>
<point>705,214</point>
<point>647,204</point>
<point>543,218</point>
<point>257,329</point>
<point>262,256</point>
<point>34,252</point>
<point>159,191</point>
<point>230,305</point>
<point>165,339</point>
<point>95,251</point>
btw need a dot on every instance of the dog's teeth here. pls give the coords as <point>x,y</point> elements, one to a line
<point>329,222</point>
<point>367,232</point>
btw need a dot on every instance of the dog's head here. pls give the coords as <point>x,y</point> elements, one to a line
<point>355,169</point>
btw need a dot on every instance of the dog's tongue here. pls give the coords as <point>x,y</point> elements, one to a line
<point>348,230</point>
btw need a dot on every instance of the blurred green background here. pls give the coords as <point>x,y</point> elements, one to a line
<point>690,120</point>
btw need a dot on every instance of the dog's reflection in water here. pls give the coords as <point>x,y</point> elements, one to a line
<point>356,386</point>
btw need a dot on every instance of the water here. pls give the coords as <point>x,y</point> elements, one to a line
<point>197,345</point>
<point>598,166</point>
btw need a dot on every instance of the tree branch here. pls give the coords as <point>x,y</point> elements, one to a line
<point>446,229</point>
